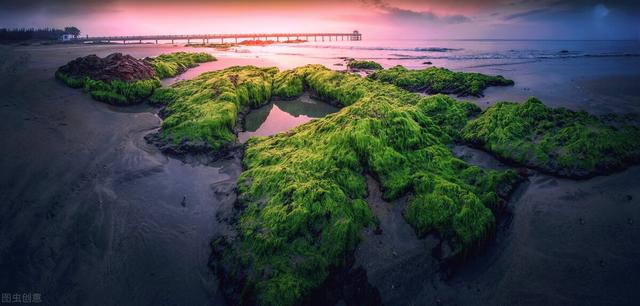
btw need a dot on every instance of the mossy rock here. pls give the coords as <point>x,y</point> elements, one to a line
<point>368,65</point>
<point>435,80</point>
<point>123,80</point>
<point>301,196</point>
<point>115,92</point>
<point>302,192</point>
<point>202,113</point>
<point>172,64</point>
<point>555,140</point>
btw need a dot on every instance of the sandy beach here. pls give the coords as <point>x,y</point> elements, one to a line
<point>92,214</point>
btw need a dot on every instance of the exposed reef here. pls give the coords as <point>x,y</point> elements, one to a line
<point>257,42</point>
<point>116,79</point>
<point>301,196</point>
<point>219,46</point>
<point>555,140</point>
<point>369,65</point>
<point>434,80</point>
<point>201,114</point>
<point>122,79</point>
<point>172,64</point>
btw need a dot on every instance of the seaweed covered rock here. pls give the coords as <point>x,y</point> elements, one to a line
<point>302,194</point>
<point>122,79</point>
<point>201,114</point>
<point>554,140</point>
<point>434,80</point>
<point>369,65</point>
<point>116,79</point>
<point>172,64</point>
<point>115,66</point>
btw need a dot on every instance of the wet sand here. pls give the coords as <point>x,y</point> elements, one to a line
<point>561,242</point>
<point>91,214</point>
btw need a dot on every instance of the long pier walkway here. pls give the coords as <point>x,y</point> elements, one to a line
<point>206,38</point>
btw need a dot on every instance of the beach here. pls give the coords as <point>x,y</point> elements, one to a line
<point>92,214</point>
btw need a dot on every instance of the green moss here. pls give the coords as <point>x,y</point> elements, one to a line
<point>364,65</point>
<point>109,97</point>
<point>435,80</point>
<point>69,81</point>
<point>203,111</point>
<point>172,64</point>
<point>163,96</point>
<point>288,84</point>
<point>557,140</point>
<point>303,191</point>
<point>117,92</point>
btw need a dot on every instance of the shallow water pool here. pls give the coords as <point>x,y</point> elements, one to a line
<point>280,116</point>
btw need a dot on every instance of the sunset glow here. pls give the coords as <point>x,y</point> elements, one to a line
<point>379,19</point>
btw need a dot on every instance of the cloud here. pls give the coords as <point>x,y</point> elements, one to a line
<point>411,15</point>
<point>527,14</point>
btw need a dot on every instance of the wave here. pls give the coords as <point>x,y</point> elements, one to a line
<point>417,49</point>
<point>509,56</point>
<point>441,53</point>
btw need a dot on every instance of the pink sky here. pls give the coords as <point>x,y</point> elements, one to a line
<point>572,19</point>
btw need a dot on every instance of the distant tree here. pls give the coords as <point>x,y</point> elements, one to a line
<point>73,31</point>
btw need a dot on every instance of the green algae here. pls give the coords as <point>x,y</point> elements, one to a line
<point>364,65</point>
<point>434,80</point>
<point>172,64</point>
<point>555,140</point>
<point>201,113</point>
<point>115,92</point>
<point>301,196</point>
<point>302,191</point>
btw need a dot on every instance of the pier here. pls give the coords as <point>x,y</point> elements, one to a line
<point>220,38</point>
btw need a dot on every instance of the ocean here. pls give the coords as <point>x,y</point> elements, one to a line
<point>596,76</point>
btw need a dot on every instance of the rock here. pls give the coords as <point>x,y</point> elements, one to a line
<point>115,66</point>
<point>427,63</point>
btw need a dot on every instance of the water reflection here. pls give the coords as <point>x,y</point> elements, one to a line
<point>281,116</point>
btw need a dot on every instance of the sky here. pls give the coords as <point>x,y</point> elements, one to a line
<point>376,19</point>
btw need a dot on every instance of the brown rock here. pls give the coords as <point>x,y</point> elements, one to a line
<point>115,66</point>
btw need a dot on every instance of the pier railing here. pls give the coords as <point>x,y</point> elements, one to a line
<point>206,38</point>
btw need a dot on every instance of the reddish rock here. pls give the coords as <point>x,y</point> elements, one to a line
<point>113,67</point>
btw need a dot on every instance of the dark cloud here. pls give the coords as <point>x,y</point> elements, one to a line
<point>411,15</point>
